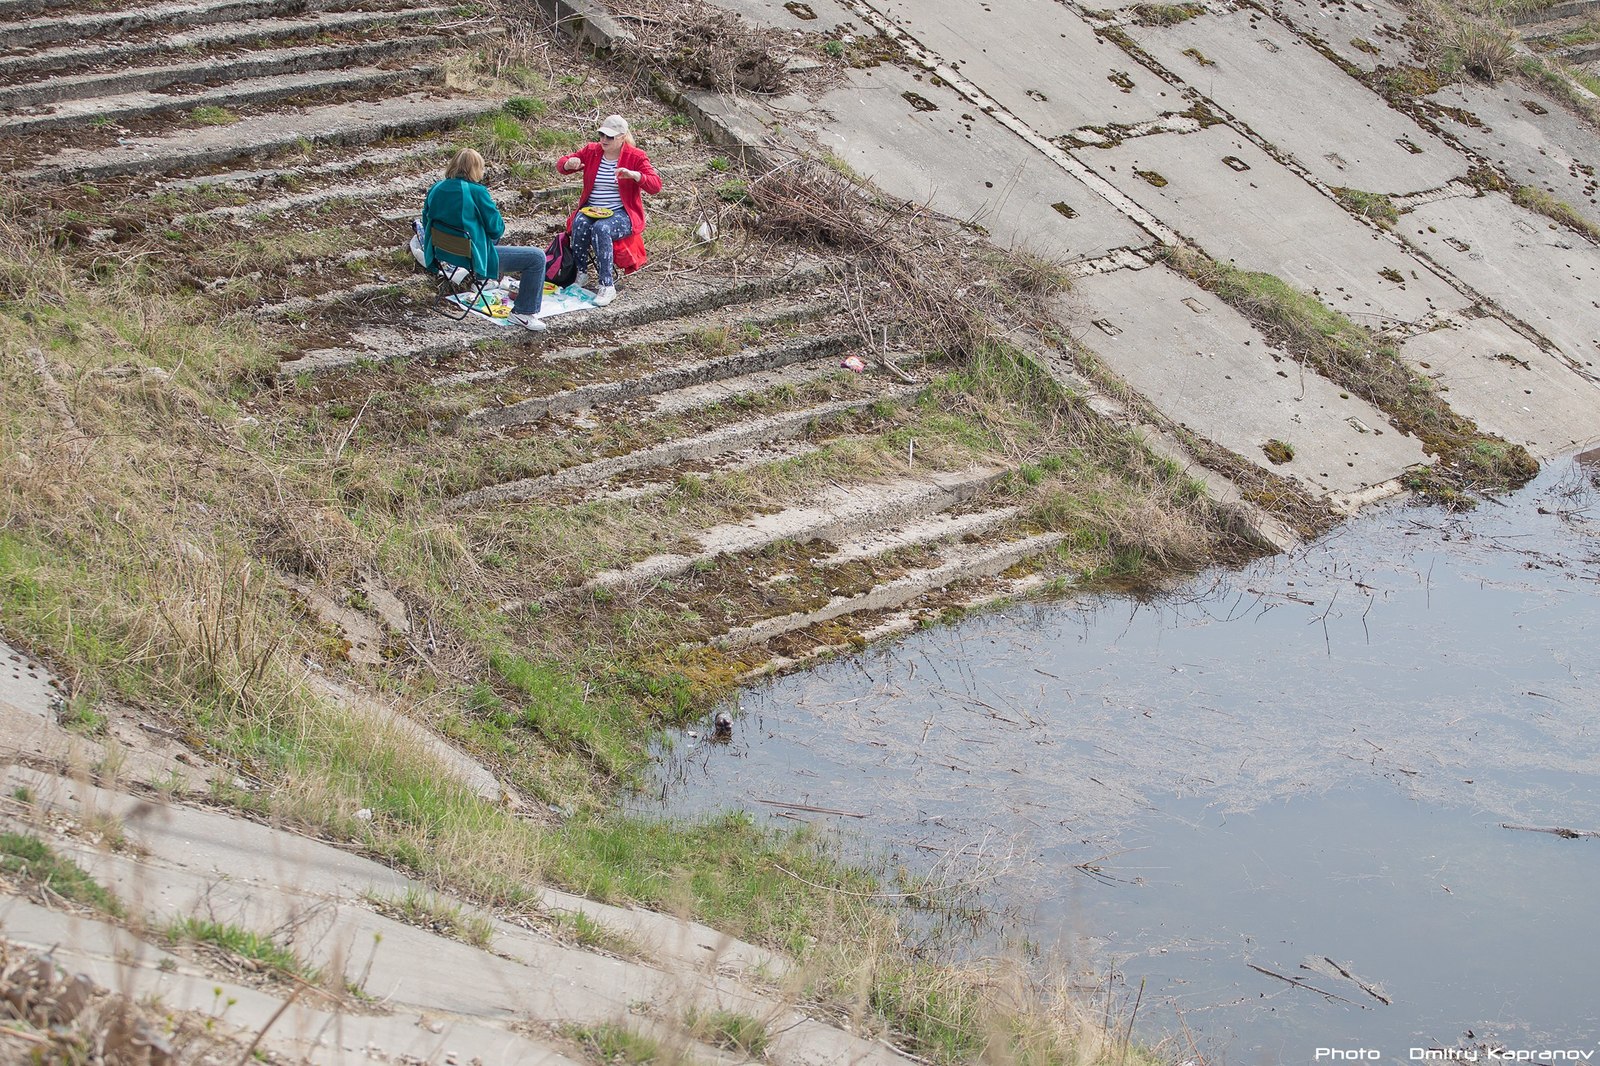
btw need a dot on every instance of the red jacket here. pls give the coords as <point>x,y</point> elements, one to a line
<point>629,251</point>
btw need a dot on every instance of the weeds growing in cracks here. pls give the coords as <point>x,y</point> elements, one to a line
<point>1469,460</point>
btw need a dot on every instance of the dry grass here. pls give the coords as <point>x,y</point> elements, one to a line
<point>52,1016</point>
<point>145,565</point>
<point>1456,41</point>
<point>151,566</point>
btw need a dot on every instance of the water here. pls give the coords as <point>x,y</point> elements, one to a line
<point>1309,758</point>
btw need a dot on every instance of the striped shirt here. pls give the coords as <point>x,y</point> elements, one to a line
<point>605,192</point>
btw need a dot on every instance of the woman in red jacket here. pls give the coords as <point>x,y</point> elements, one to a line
<point>610,219</point>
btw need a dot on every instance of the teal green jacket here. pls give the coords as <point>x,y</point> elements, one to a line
<point>466,206</point>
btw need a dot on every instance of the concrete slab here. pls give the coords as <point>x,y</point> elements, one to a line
<point>1366,34</point>
<point>1532,139</point>
<point>1509,386</point>
<point>1039,60</point>
<point>966,165</point>
<point>117,960</point>
<point>1543,273</point>
<point>1301,102</point>
<point>1208,369</point>
<point>825,16</point>
<point>1264,217</point>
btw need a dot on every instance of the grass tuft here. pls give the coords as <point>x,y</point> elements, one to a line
<point>256,949</point>
<point>437,914</point>
<point>1369,205</point>
<point>730,1030</point>
<point>1165,14</point>
<point>609,1044</point>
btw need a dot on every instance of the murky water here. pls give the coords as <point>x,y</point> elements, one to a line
<point>1303,763</point>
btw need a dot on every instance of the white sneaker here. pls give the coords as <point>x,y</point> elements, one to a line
<point>532,322</point>
<point>605,296</point>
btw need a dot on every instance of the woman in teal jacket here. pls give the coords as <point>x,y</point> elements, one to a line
<point>462,205</point>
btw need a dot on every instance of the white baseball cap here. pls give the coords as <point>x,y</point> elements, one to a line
<point>614,126</point>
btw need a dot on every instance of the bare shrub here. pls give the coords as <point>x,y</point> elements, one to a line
<point>706,47</point>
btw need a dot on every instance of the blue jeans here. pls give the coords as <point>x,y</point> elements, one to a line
<point>602,233</point>
<point>530,261</point>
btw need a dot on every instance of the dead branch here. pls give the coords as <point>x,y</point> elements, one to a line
<point>1297,982</point>
<point>1555,830</point>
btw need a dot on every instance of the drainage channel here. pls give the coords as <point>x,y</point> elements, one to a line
<point>1304,804</point>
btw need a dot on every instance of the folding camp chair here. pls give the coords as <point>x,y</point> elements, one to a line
<point>459,286</point>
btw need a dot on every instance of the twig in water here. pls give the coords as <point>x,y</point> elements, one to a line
<point>807,807</point>
<point>1556,831</point>
<point>1298,983</point>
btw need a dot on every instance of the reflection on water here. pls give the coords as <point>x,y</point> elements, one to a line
<point>1306,761</point>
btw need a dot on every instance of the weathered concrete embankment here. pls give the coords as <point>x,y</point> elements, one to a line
<point>243,121</point>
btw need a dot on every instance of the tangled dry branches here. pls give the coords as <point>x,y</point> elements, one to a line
<point>702,46</point>
<point>939,287</point>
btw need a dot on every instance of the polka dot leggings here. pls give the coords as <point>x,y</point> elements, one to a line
<point>601,233</point>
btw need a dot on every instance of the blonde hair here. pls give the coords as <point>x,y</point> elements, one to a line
<point>466,164</point>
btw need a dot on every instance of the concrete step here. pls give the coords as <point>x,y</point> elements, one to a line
<point>16,10</point>
<point>764,313</point>
<point>662,381</point>
<point>1571,9</point>
<point>975,596</point>
<point>958,563</point>
<point>49,29</point>
<point>395,156</point>
<point>263,90</point>
<point>719,441</point>
<point>51,61</point>
<point>361,122</point>
<point>220,68</point>
<point>837,514</point>
<point>657,481</point>
<point>1577,53</point>
<point>430,337</point>
<point>733,389</point>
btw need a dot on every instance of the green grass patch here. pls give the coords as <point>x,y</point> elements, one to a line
<point>34,861</point>
<point>742,877</point>
<point>555,704</point>
<point>729,1030</point>
<point>1558,211</point>
<point>211,115</point>
<point>609,1044</point>
<point>253,947</point>
<point>1370,205</point>
<point>591,933</point>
